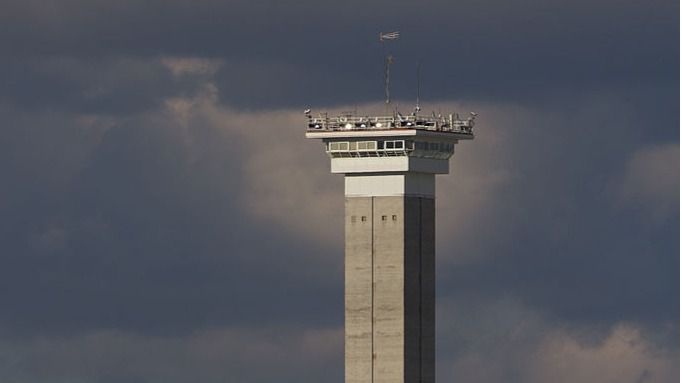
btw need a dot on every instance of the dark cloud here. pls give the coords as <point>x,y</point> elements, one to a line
<point>146,235</point>
<point>568,248</point>
<point>216,355</point>
<point>327,53</point>
<point>105,86</point>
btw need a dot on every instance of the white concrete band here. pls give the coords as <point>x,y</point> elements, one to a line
<point>388,185</point>
<point>389,164</point>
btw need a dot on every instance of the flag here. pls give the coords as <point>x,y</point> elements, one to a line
<point>389,36</point>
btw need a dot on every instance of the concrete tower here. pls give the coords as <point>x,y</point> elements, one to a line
<point>389,165</point>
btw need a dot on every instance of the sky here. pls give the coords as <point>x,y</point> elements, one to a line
<point>163,219</point>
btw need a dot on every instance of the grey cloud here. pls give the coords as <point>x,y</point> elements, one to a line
<point>501,339</point>
<point>544,47</point>
<point>145,225</point>
<point>538,218</point>
<point>101,86</point>
<point>287,354</point>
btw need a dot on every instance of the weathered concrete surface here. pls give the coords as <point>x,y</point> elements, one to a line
<point>358,290</point>
<point>390,290</point>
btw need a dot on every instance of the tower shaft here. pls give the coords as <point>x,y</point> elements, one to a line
<point>389,289</point>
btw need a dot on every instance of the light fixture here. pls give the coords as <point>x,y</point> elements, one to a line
<point>379,125</point>
<point>349,126</point>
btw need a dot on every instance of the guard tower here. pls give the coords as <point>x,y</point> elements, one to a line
<point>390,163</point>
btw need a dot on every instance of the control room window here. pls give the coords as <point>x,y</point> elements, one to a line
<point>367,145</point>
<point>338,146</point>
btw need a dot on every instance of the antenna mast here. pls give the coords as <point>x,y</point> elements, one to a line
<point>389,60</point>
<point>419,72</point>
<point>387,77</point>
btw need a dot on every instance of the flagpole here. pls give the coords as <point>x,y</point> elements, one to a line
<point>387,65</point>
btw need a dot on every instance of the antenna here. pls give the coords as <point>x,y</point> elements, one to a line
<point>387,77</point>
<point>419,72</point>
<point>389,60</point>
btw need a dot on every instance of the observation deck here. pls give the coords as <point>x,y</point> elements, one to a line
<point>383,144</point>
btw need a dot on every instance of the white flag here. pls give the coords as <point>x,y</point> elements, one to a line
<point>389,35</point>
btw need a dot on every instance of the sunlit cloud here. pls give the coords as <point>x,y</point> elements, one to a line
<point>650,182</point>
<point>180,66</point>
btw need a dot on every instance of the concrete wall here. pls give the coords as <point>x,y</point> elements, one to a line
<point>389,164</point>
<point>390,290</point>
<point>388,185</point>
<point>358,290</point>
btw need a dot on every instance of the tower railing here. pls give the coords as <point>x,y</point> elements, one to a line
<point>450,123</point>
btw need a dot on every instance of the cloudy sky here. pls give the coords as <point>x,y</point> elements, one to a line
<point>162,218</point>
